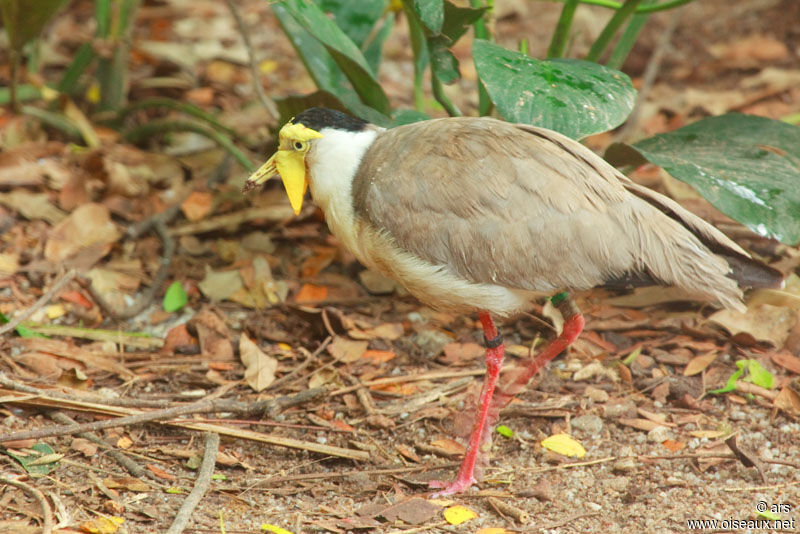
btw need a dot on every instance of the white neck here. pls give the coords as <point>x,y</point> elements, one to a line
<point>332,162</point>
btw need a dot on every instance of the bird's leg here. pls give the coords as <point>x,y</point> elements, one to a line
<point>495,351</point>
<point>573,326</point>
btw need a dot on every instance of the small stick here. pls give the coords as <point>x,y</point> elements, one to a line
<point>202,406</point>
<point>201,485</point>
<point>567,521</point>
<point>310,356</point>
<point>44,299</point>
<point>132,467</point>
<point>47,511</point>
<point>267,102</point>
<point>504,508</point>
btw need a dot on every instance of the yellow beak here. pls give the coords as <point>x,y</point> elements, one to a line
<point>291,166</point>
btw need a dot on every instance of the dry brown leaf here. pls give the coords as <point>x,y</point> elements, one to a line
<point>220,285</point>
<point>764,322</point>
<point>213,334</point>
<point>461,353</point>
<point>259,367</point>
<point>448,446</point>
<point>83,446</point>
<point>197,205</point>
<point>347,350</point>
<point>408,452</point>
<point>378,356</point>
<point>788,400</point>
<point>756,48</point>
<point>641,424</point>
<point>787,361</point>
<point>160,473</point>
<point>89,226</point>
<point>127,483</point>
<point>33,206</point>
<point>708,434</point>
<point>698,364</point>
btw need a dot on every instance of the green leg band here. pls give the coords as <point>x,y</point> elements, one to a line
<point>558,298</point>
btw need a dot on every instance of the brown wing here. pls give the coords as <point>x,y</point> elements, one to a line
<point>530,209</point>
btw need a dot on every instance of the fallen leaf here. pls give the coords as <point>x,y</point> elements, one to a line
<point>493,530</point>
<point>378,356</point>
<point>673,445</point>
<point>641,424</point>
<point>213,335</point>
<point>764,322</point>
<point>461,353</point>
<point>322,257</point>
<point>88,227</point>
<point>347,350</point>
<point>102,525</point>
<point>787,361</point>
<point>33,206</point>
<point>259,367</point>
<point>788,400</point>
<point>160,473</point>
<point>220,285</point>
<point>699,363</point>
<point>197,205</point>
<point>448,446</point>
<point>414,511</point>
<point>707,434</point>
<point>565,445</point>
<point>455,515</point>
<point>274,529</point>
<point>310,293</point>
<point>124,442</point>
<point>127,483</point>
<point>408,452</point>
<point>83,446</point>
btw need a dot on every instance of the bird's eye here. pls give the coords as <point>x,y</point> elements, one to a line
<point>299,145</point>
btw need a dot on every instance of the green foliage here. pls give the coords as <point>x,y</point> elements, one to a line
<point>40,462</point>
<point>756,374</point>
<point>23,21</point>
<point>505,431</point>
<point>574,97</point>
<point>175,297</point>
<point>748,167</point>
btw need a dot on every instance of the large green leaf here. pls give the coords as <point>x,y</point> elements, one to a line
<point>341,48</point>
<point>356,19</point>
<point>748,167</point>
<point>574,97</point>
<point>373,48</point>
<point>24,20</point>
<point>430,13</point>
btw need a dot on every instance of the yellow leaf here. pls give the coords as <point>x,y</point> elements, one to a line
<point>564,444</point>
<point>54,311</point>
<point>102,525</point>
<point>274,529</point>
<point>455,515</point>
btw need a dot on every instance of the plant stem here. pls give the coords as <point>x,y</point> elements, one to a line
<point>628,38</point>
<point>149,129</point>
<point>83,58</point>
<point>605,37</point>
<point>558,44</point>
<point>482,32</point>
<point>184,107</point>
<point>14,74</point>
<point>54,120</point>
<point>420,50</point>
<point>611,4</point>
<point>442,98</point>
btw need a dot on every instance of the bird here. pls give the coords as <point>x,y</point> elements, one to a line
<point>476,214</point>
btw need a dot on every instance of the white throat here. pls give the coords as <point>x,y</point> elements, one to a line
<point>332,163</point>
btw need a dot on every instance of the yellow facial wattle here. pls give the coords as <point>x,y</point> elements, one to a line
<point>289,162</point>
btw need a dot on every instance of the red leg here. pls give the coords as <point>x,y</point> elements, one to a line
<point>494,360</point>
<point>573,326</point>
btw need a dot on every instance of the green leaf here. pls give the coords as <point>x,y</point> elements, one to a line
<point>407,116</point>
<point>341,48</point>
<point>748,167</point>
<point>430,13</point>
<point>22,330</point>
<point>504,431</point>
<point>574,97</point>
<point>175,298</point>
<point>756,374</point>
<point>42,449</point>
<point>457,20</point>
<point>356,19</point>
<point>23,20</point>
<point>374,48</point>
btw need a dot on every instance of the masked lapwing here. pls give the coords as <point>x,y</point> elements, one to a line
<point>480,215</point>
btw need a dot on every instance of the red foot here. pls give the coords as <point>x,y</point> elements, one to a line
<point>450,488</point>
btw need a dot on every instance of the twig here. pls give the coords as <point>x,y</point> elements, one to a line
<point>267,102</point>
<point>649,78</point>
<point>201,485</point>
<point>132,467</point>
<point>409,378</point>
<point>504,508</point>
<point>147,296</point>
<point>47,511</point>
<point>310,357</point>
<point>202,406</point>
<point>44,299</point>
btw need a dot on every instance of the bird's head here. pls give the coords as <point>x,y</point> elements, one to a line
<point>295,139</point>
<point>289,161</point>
